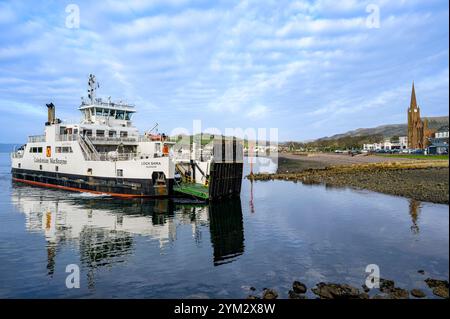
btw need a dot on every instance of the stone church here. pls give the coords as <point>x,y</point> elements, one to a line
<point>418,131</point>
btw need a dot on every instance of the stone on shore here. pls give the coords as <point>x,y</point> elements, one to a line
<point>439,287</point>
<point>398,293</point>
<point>293,295</point>
<point>441,291</point>
<point>418,293</point>
<point>386,285</point>
<point>338,291</point>
<point>298,287</point>
<point>433,283</point>
<point>270,294</point>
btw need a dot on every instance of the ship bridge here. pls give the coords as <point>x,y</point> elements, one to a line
<point>101,112</point>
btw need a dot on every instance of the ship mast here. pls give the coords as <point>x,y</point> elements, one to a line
<point>92,86</point>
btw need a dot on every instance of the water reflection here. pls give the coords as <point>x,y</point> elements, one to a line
<point>227,231</point>
<point>105,229</point>
<point>414,212</point>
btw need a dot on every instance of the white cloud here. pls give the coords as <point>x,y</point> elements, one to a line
<point>20,108</point>
<point>189,19</point>
<point>119,6</point>
<point>311,25</point>
<point>257,112</point>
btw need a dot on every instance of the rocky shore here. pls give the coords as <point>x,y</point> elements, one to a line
<point>421,180</point>
<point>387,290</point>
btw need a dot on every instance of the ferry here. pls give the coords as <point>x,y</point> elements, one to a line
<point>105,154</point>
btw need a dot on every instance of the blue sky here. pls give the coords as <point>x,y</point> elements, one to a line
<point>308,68</point>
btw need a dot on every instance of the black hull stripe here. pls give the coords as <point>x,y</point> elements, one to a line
<point>113,186</point>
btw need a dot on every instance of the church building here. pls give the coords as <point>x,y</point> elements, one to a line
<point>418,131</point>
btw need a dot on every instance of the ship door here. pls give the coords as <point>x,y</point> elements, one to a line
<point>48,151</point>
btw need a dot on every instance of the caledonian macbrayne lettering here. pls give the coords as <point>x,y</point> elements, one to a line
<point>50,160</point>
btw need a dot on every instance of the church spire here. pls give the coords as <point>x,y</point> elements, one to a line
<point>413,104</point>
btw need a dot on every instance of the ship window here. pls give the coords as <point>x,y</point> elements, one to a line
<point>75,131</point>
<point>88,132</point>
<point>127,116</point>
<point>40,167</point>
<point>56,168</point>
<point>100,133</point>
<point>112,133</point>
<point>58,149</point>
<point>62,130</point>
<point>19,165</point>
<point>111,113</point>
<point>89,171</point>
<point>39,149</point>
<point>67,149</point>
<point>123,134</point>
<point>120,115</point>
<point>98,111</point>
<point>120,172</point>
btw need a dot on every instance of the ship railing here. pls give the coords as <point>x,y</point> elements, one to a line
<point>201,155</point>
<point>113,139</point>
<point>89,150</point>
<point>17,154</point>
<point>153,138</point>
<point>36,138</point>
<point>116,156</point>
<point>66,137</point>
<point>91,146</point>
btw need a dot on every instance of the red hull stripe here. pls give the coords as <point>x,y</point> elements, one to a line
<point>77,189</point>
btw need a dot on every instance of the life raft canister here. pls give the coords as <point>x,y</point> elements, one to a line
<point>165,149</point>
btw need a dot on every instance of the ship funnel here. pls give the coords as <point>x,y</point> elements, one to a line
<point>51,113</point>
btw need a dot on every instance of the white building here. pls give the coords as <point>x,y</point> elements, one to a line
<point>403,141</point>
<point>442,132</point>
<point>388,145</point>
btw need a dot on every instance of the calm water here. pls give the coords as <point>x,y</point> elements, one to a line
<point>278,232</point>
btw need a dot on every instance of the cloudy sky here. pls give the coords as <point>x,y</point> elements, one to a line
<point>308,68</point>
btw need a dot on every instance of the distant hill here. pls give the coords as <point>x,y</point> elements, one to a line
<point>388,130</point>
<point>356,138</point>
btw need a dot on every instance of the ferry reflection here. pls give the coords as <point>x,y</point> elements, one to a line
<point>105,228</point>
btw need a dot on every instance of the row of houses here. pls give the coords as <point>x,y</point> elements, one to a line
<point>437,144</point>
